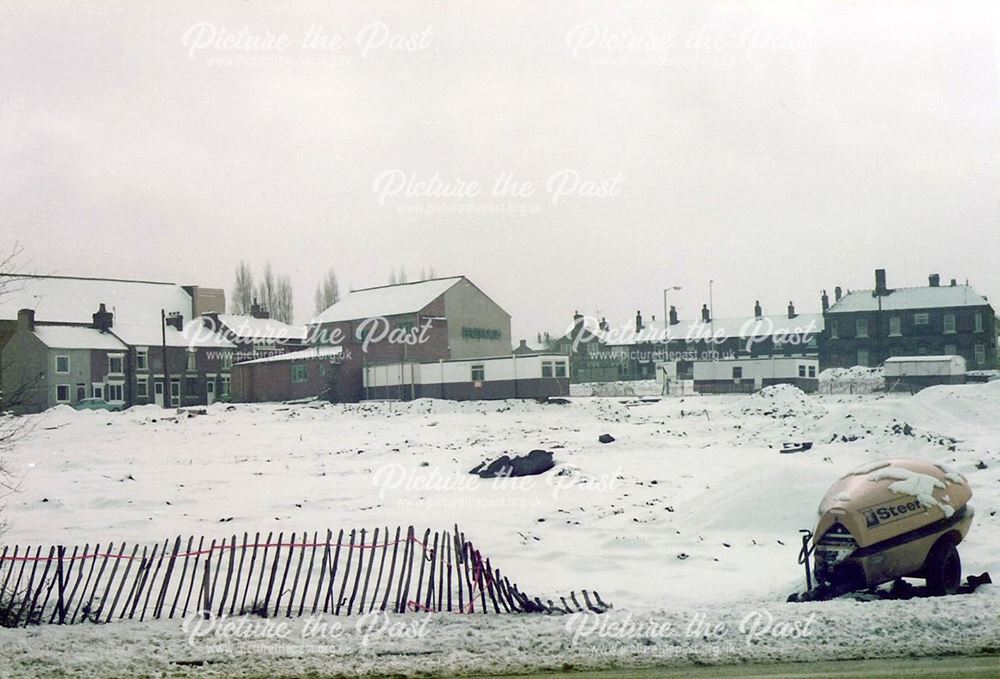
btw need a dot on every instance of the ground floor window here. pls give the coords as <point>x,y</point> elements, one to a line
<point>560,368</point>
<point>546,369</point>
<point>980,350</point>
<point>97,390</point>
<point>812,371</point>
<point>802,371</point>
<point>142,387</point>
<point>225,385</point>
<point>299,373</point>
<point>116,393</point>
<point>737,372</point>
<point>479,372</point>
<point>191,389</point>
<point>62,393</point>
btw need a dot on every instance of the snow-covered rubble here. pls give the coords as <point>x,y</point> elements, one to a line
<point>691,509</point>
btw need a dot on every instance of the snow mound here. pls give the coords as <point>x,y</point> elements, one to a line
<point>782,401</point>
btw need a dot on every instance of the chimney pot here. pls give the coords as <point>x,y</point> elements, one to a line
<point>706,317</point>
<point>791,310</point>
<point>953,283</point>
<point>757,311</point>
<point>638,321</point>
<point>825,301</point>
<point>837,294</point>
<point>673,316</point>
<point>934,280</point>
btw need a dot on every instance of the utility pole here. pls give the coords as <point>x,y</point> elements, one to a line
<point>167,396</point>
<point>711,310</point>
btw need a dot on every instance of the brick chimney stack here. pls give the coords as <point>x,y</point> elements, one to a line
<point>934,280</point>
<point>824,301</point>
<point>837,294</point>
<point>103,319</point>
<point>673,316</point>
<point>26,319</point>
<point>791,310</point>
<point>757,311</point>
<point>257,311</point>
<point>175,320</point>
<point>706,317</point>
<point>881,290</point>
<point>638,321</point>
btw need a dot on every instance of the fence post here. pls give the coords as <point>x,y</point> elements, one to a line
<point>206,591</point>
<point>62,586</point>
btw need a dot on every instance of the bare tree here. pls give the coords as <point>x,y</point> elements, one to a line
<point>327,292</point>
<point>243,289</point>
<point>283,306</point>
<point>11,428</point>
<point>267,288</point>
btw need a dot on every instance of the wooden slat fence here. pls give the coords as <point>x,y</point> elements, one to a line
<point>274,575</point>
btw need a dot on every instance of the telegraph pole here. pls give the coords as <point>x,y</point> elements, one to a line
<point>167,398</point>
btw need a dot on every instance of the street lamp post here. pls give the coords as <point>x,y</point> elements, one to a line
<point>666,318</point>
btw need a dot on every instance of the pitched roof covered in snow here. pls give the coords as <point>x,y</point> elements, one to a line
<point>194,336</point>
<point>910,298</point>
<point>76,337</point>
<point>250,328</point>
<point>742,327</point>
<point>387,300</point>
<point>67,299</point>
<point>321,351</point>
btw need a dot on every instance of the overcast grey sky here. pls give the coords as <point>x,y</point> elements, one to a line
<point>777,148</point>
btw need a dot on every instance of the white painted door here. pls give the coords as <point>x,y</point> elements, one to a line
<point>210,391</point>
<point>158,392</point>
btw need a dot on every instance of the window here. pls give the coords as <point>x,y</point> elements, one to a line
<point>921,319</point>
<point>225,385</point>
<point>116,364</point>
<point>191,389</point>
<point>142,387</point>
<point>812,371</point>
<point>546,369</point>
<point>142,359</point>
<point>299,373</point>
<point>802,371</point>
<point>479,372</point>
<point>978,321</point>
<point>950,350</point>
<point>737,372</point>
<point>895,325</point>
<point>862,327</point>
<point>560,369</point>
<point>62,393</point>
<point>980,350</point>
<point>192,363</point>
<point>62,364</point>
<point>227,360</point>
<point>949,323</point>
<point>834,334</point>
<point>97,390</point>
<point>863,357</point>
<point>115,392</point>
<point>81,392</point>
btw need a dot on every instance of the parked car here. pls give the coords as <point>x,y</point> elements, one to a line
<point>97,404</point>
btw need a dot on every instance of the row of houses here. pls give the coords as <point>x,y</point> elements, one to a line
<point>67,339</point>
<point>859,328</point>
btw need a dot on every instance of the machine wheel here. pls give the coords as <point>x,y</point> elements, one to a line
<point>943,569</point>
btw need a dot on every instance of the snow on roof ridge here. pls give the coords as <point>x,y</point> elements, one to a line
<point>396,285</point>
<point>87,278</point>
<point>318,351</point>
<point>387,300</point>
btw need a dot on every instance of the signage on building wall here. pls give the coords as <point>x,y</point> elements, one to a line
<point>481,333</point>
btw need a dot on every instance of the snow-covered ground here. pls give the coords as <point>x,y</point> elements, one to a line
<point>690,514</point>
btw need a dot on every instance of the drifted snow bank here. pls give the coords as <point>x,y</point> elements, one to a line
<point>691,510</point>
<point>454,644</point>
